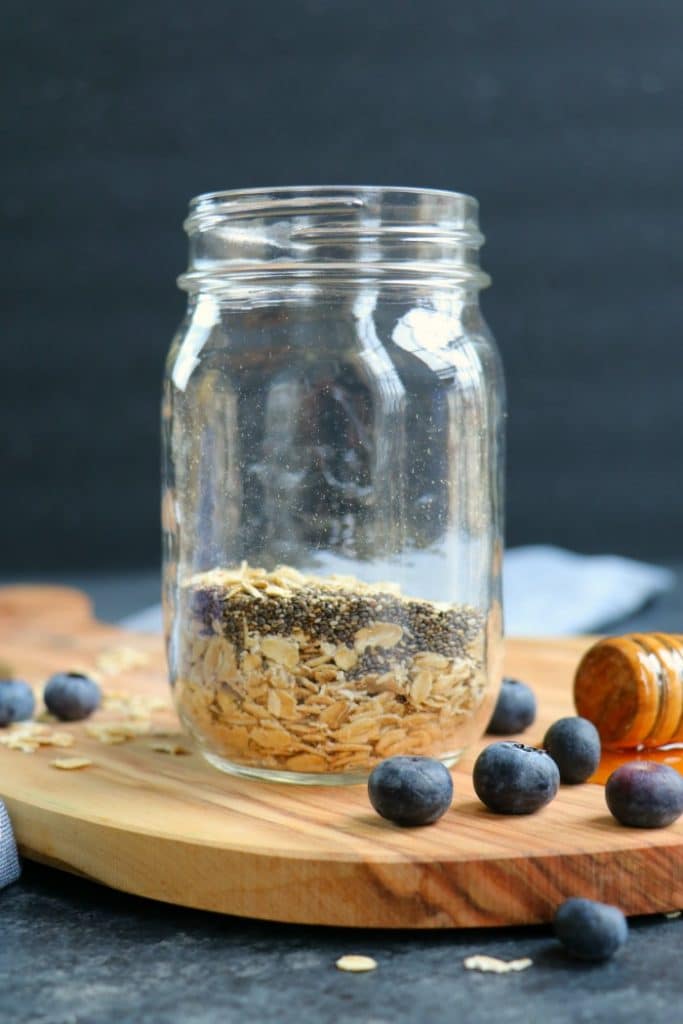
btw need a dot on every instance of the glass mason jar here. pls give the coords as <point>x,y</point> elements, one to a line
<point>333,447</point>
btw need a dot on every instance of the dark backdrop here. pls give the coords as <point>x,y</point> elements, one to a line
<point>565,121</point>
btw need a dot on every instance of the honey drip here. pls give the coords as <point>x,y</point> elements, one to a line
<point>613,759</point>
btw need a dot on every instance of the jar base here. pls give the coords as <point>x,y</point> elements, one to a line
<point>303,778</point>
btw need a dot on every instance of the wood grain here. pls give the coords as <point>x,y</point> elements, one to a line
<point>172,828</point>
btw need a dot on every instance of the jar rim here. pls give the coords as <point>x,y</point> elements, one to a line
<point>283,191</point>
<point>318,230</point>
<point>430,208</point>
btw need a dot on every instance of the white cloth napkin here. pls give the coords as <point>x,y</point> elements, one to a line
<point>548,592</point>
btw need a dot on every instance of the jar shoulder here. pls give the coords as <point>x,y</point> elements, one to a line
<point>446,343</point>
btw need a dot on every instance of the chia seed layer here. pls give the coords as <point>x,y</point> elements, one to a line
<point>323,611</point>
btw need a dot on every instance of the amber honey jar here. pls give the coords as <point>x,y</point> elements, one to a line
<point>631,688</point>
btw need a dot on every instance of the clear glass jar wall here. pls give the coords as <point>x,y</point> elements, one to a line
<point>333,448</point>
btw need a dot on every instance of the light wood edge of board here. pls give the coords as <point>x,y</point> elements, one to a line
<point>372,895</point>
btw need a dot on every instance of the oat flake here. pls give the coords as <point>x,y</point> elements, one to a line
<point>356,964</point>
<point>120,659</point>
<point>70,764</point>
<point>169,748</point>
<point>492,965</point>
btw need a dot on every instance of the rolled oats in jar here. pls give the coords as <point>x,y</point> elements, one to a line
<point>332,420</point>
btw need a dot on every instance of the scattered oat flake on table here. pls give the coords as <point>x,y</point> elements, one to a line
<point>356,964</point>
<point>70,764</point>
<point>673,914</point>
<point>493,965</point>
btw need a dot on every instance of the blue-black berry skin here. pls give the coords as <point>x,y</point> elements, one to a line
<point>511,778</point>
<point>411,791</point>
<point>17,702</point>
<point>515,709</point>
<point>71,696</point>
<point>590,930</point>
<point>645,794</point>
<point>574,745</point>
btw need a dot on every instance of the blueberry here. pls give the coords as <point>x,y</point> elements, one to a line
<point>590,930</point>
<point>17,702</point>
<point>645,794</point>
<point>515,709</point>
<point>574,745</point>
<point>71,696</point>
<point>511,778</point>
<point>411,790</point>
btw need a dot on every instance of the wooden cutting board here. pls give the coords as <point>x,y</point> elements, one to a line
<point>172,828</point>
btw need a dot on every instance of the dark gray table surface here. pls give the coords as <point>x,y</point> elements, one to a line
<point>75,953</point>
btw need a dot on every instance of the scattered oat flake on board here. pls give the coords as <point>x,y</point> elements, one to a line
<point>60,739</point>
<point>29,736</point>
<point>491,964</point>
<point>157,703</point>
<point>673,914</point>
<point>356,964</point>
<point>135,705</point>
<point>119,659</point>
<point>117,732</point>
<point>25,729</point>
<point>27,746</point>
<point>44,717</point>
<point>70,764</point>
<point>169,748</point>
